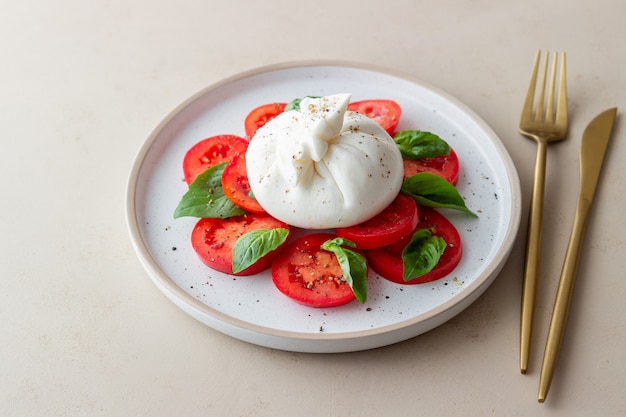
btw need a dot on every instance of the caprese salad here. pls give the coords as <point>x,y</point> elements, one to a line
<point>366,195</point>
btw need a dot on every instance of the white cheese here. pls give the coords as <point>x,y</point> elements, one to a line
<point>323,166</point>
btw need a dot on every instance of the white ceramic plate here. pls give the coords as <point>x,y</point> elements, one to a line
<point>250,308</point>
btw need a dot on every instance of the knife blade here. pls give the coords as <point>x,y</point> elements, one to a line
<point>592,151</point>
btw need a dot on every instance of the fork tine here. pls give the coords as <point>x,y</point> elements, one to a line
<point>527,110</point>
<point>561,109</point>
<point>539,114</point>
<point>550,105</point>
<point>532,111</point>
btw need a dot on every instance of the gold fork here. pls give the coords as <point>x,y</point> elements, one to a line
<point>544,125</point>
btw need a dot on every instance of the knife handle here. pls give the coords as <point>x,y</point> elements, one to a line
<point>533,251</point>
<point>563,298</point>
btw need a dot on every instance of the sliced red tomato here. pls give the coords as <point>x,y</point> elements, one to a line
<point>213,240</point>
<point>310,275</point>
<point>387,261</point>
<point>446,166</point>
<point>385,112</point>
<point>211,151</point>
<point>261,115</point>
<point>393,223</point>
<point>236,186</point>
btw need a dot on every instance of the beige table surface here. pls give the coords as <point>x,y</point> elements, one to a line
<point>83,330</point>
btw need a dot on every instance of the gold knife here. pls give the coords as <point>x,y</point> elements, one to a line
<point>593,147</point>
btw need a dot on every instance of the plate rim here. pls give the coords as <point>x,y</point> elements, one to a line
<point>177,295</point>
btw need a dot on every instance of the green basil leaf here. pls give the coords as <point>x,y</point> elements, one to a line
<point>205,197</point>
<point>422,254</point>
<point>352,264</point>
<point>338,241</point>
<point>295,103</point>
<point>415,144</point>
<point>255,244</point>
<point>433,191</point>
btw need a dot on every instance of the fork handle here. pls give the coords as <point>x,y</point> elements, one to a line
<point>533,246</point>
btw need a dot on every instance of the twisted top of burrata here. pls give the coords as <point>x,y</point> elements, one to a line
<point>323,166</point>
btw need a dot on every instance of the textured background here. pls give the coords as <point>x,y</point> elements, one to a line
<point>83,331</point>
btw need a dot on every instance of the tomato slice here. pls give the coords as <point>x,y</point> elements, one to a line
<point>213,240</point>
<point>395,222</point>
<point>310,275</point>
<point>236,186</point>
<point>446,166</point>
<point>385,112</point>
<point>387,261</point>
<point>211,151</point>
<point>261,115</point>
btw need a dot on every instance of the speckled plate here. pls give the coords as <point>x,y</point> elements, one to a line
<point>250,308</point>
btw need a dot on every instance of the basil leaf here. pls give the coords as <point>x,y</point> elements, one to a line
<point>415,144</point>
<point>254,245</point>
<point>295,103</point>
<point>352,264</point>
<point>433,191</point>
<point>422,254</point>
<point>205,197</point>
